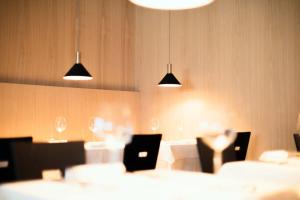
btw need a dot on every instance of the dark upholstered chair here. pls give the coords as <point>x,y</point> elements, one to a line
<point>297,141</point>
<point>6,168</point>
<point>142,152</point>
<point>234,152</point>
<point>29,160</point>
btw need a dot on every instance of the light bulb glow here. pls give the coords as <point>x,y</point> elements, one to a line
<point>78,78</point>
<point>171,4</point>
<point>170,85</point>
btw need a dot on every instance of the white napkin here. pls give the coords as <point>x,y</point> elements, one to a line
<point>95,173</point>
<point>276,156</point>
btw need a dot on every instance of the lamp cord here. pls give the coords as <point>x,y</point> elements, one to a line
<point>169,37</point>
<point>77,31</point>
<point>169,64</point>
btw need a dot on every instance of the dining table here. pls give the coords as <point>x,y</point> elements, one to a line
<point>173,154</point>
<point>104,181</point>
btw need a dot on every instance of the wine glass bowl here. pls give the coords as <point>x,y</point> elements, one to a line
<point>109,132</point>
<point>60,125</point>
<point>217,139</point>
<point>96,126</point>
<point>154,125</point>
<point>123,134</point>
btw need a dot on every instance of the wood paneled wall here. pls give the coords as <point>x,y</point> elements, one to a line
<point>37,40</point>
<point>238,61</point>
<point>32,110</point>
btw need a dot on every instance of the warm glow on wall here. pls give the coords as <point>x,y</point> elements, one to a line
<point>190,113</point>
<point>185,117</point>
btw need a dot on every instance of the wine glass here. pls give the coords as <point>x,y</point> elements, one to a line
<point>60,125</point>
<point>115,137</point>
<point>96,126</point>
<point>218,139</point>
<point>154,125</point>
<point>123,134</point>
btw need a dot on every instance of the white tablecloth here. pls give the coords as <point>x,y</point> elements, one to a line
<point>180,154</point>
<point>250,171</point>
<point>149,185</point>
<point>98,152</point>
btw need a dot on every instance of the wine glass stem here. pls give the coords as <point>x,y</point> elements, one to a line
<point>114,155</point>
<point>217,161</point>
<point>58,135</point>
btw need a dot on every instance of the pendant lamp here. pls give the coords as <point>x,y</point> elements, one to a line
<point>77,71</point>
<point>171,4</point>
<point>169,80</point>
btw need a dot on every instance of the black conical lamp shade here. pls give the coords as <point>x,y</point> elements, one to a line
<point>78,72</point>
<point>169,80</point>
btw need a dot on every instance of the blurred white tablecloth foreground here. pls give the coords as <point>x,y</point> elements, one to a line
<point>150,185</point>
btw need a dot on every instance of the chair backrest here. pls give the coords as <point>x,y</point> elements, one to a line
<point>29,160</point>
<point>241,145</point>
<point>237,151</point>
<point>6,168</point>
<point>297,141</point>
<point>205,156</point>
<point>142,152</point>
